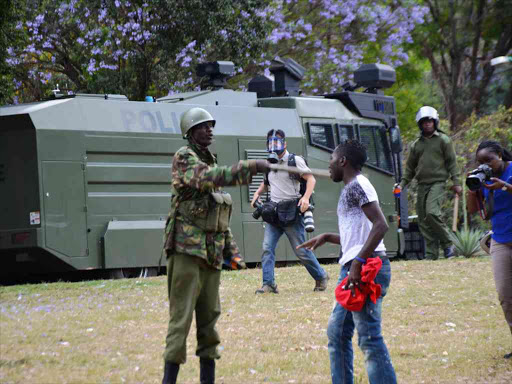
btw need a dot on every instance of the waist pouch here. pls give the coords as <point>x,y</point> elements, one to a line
<point>211,213</point>
<point>269,212</point>
<point>287,212</point>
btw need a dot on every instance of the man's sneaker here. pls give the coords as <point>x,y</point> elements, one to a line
<point>321,285</point>
<point>449,252</point>
<point>267,289</point>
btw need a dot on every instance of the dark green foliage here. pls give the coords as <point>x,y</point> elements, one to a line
<point>460,39</point>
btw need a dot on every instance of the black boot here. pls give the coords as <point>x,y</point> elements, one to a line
<point>207,372</point>
<point>170,373</point>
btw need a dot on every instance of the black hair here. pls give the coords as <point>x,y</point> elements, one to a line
<point>496,148</point>
<point>354,151</point>
<point>277,132</point>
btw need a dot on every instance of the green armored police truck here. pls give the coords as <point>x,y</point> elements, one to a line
<point>85,179</point>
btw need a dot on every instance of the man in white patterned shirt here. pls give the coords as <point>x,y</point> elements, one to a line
<point>362,226</point>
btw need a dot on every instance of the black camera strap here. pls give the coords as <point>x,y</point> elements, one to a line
<point>485,211</point>
<point>267,183</point>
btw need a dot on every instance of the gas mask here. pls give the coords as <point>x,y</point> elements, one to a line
<point>275,147</point>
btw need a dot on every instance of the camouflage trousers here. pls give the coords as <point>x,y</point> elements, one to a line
<point>432,227</point>
<point>192,286</point>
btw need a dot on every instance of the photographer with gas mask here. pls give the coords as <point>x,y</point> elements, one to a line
<point>284,213</point>
<point>432,161</point>
<point>492,182</point>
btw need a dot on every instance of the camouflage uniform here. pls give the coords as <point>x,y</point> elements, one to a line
<point>195,257</point>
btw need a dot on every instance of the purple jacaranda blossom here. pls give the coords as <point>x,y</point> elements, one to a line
<point>80,41</point>
<point>19,25</point>
<point>107,66</point>
<point>71,6</point>
<point>186,61</point>
<point>117,3</point>
<point>39,20</point>
<point>91,68</point>
<point>47,44</point>
<point>102,14</point>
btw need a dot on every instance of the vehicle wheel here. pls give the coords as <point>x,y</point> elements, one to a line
<point>138,273</point>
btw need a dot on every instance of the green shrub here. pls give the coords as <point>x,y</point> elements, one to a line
<point>467,242</point>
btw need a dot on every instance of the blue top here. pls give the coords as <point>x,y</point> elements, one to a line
<point>501,219</point>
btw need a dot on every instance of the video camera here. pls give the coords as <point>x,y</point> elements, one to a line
<point>478,176</point>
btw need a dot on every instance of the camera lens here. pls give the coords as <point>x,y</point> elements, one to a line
<point>474,182</point>
<point>309,222</point>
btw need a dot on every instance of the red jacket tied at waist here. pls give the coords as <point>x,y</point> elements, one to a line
<point>368,287</point>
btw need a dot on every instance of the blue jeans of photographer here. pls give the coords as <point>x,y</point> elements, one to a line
<point>296,235</point>
<point>340,330</point>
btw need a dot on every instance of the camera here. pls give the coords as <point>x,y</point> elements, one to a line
<point>273,158</point>
<point>309,222</point>
<point>478,176</point>
<point>259,208</point>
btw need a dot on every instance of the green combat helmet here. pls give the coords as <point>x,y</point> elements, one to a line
<point>193,117</point>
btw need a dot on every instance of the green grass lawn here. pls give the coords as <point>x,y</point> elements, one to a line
<point>442,324</point>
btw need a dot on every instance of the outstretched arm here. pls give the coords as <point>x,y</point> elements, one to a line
<point>320,240</point>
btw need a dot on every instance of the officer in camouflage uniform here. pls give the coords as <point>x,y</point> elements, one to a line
<point>432,161</point>
<point>197,240</point>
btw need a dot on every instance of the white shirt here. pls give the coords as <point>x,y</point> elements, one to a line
<point>353,224</point>
<point>282,187</point>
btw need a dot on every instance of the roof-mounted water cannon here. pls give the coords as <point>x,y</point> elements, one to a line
<point>374,77</point>
<point>262,85</point>
<point>217,72</point>
<point>288,74</point>
<point>372,103</point>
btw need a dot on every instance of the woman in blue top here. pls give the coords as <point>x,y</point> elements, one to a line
<point>500,185</point>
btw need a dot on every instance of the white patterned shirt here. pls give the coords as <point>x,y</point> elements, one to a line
<point>353,224</point>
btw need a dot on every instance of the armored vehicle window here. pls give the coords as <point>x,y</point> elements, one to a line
<point>379,154</point>
<point>321,135</point>
<point>345,132</point>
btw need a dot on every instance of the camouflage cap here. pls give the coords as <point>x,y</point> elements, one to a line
<point>193,117</point>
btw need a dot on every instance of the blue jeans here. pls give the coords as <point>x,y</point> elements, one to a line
<point>368,324</point>
<point>295,234</point>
